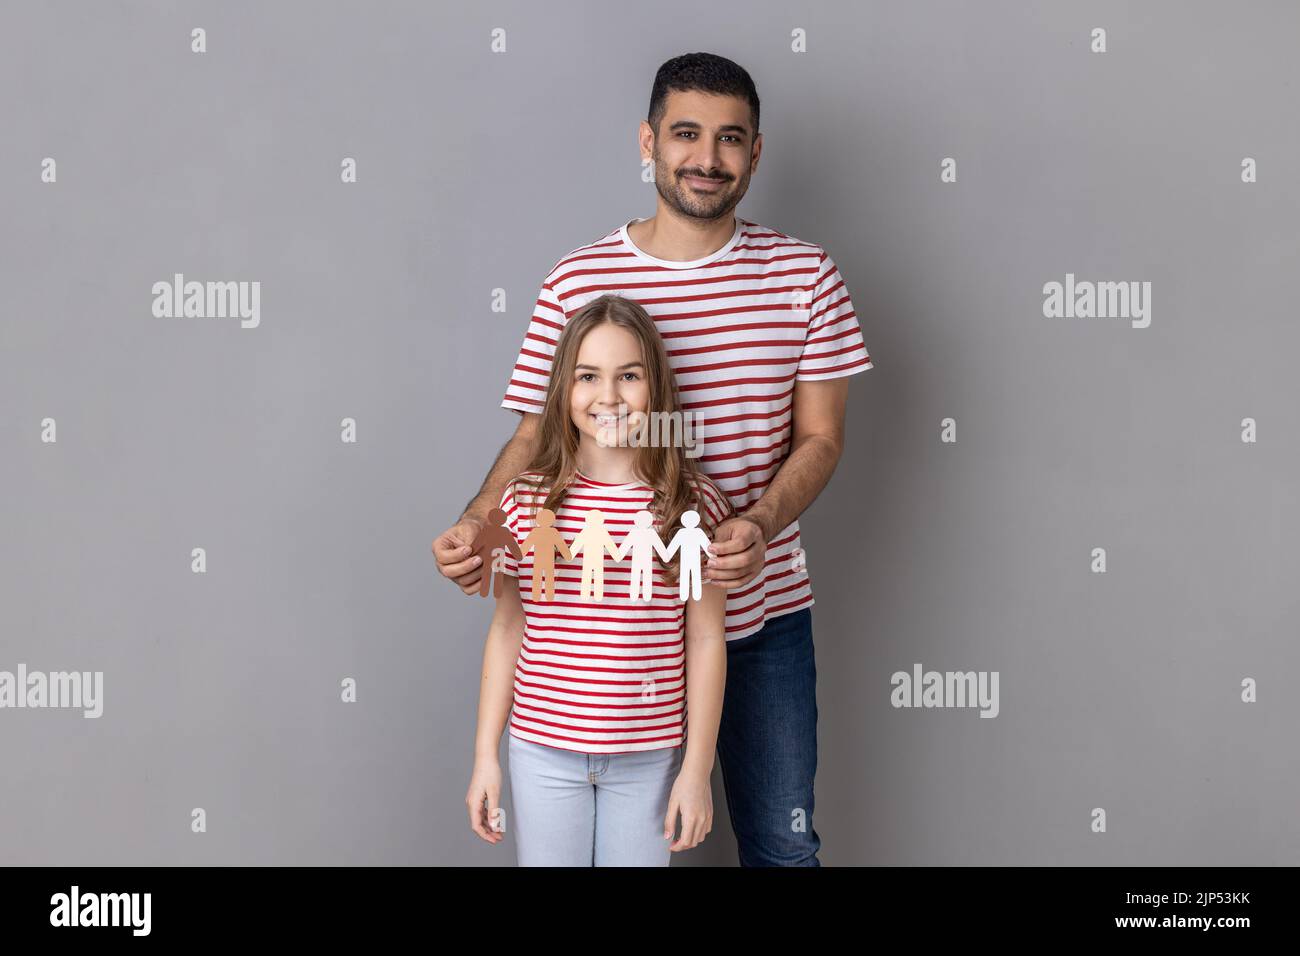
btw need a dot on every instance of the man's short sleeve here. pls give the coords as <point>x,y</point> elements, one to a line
<point>510,564</point>
<point>526,391</point>
<point>833,346</point>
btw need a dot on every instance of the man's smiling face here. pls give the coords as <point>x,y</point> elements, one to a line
<point>704,153</point>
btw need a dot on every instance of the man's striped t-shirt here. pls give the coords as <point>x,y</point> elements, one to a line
<point>603,676</point>
<point>741,326</point>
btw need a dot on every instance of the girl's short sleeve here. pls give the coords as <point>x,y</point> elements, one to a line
<point>715,503</point>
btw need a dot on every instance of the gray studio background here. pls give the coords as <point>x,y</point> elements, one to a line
<point>478,171</point>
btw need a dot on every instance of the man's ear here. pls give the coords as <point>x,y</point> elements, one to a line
<point>645,136</point>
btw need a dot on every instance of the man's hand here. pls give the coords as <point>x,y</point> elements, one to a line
<point>452,548</point>
<point>455,559</point>
<point>738,550</point>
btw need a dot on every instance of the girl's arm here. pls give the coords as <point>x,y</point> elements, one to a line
<point>496,694</point>
<point>706,677</point>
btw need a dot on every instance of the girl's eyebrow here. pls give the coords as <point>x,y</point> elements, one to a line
<point>628,365</point>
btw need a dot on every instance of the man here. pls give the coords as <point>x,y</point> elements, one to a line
<point>761,334</point>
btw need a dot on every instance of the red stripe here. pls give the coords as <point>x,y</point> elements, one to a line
<point>594,670</point>
<point>839,368</point>
<point>578,692</point>
<point>674,725</point>
<point>555,700</point>
<point>560,713</point>
<point>633,740</point>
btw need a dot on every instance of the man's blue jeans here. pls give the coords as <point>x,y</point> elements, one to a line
<point>767,742</point>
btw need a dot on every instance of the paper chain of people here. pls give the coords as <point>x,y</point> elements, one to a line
<point>593,541</point>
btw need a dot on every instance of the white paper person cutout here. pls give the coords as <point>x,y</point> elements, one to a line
<point>593,541</point>
<point>638,543</point>
<point>691,541</point>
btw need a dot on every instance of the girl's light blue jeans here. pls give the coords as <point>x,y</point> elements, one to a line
<point>580,809</point>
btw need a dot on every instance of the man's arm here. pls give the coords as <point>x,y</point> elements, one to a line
<point>512,459</point>
<point>816,442</point>
<point>452,548</point>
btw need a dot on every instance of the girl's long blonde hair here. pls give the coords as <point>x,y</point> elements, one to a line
<point>673,476</point>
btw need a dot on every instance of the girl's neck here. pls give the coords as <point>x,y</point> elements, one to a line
<point>610,466</point>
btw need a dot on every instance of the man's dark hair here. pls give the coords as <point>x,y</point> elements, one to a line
<point>704,73</point>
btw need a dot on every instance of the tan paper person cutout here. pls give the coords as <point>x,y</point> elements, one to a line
<point>593,541</point>
<point>493,538</point>
<point>691,541</point>
<point>544,541</point>
<point>638,543</point>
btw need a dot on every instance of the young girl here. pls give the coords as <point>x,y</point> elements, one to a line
<point>599,678</point>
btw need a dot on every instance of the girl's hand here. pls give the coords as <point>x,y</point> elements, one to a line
<point>486,818</point>
<point>693,798</point>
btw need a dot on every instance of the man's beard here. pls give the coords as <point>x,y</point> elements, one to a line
<point>681,198</point>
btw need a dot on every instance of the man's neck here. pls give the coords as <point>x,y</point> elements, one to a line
<point>680,239</point>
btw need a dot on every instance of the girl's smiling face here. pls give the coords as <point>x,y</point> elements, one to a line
<point>609,383</point>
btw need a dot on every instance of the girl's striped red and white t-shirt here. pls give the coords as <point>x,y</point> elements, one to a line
<point>741,326</point>
<point>602,676</point>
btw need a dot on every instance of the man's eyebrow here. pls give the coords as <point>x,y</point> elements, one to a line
<point>691,124</point>
<point>628,365</point>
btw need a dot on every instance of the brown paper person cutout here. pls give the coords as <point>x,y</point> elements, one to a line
<point>494,537</point>
<point>544,541</point>
<point>593,541</point>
